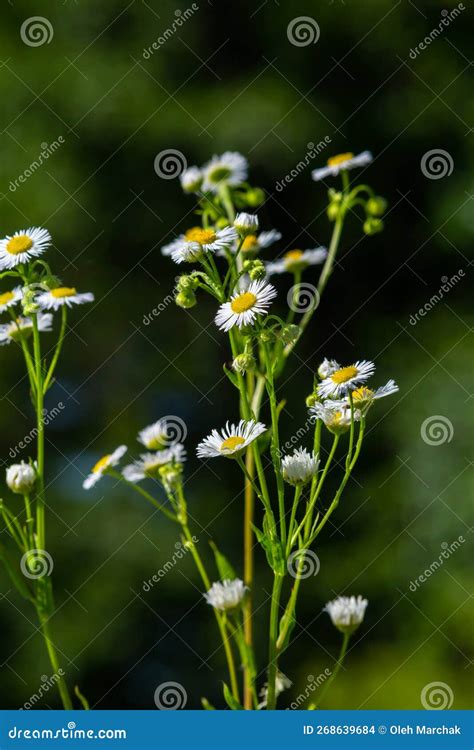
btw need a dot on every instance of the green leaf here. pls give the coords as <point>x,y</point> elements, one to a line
<point>82,698</point>
<point>287,623</point>
<point>226,571</point>
<point>231,375</point>
<point>12,570</point>
<point>206,705</point>
<point>231,701</point>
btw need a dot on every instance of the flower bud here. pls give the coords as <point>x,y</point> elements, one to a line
<point>312,400</point>
<point>186,299</point>
<point>191,179</point>
<point>332,211</point>
<point>290,334</point>
<point>254,197</point>
<point>21,478</point>
<point>373,226</point>
<point>243,362</point>
<point>256,270</point>
<point>246,223</point>
<point>222,223</point>
<point>171,476</point>
<point>187,283</point>
<point>376,206</point>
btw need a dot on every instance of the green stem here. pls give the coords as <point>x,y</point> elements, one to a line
<point>53,657</point>
<point>273,637</point>
<point>342,654</point>
<point>40,511</point>
<point>57,351</point>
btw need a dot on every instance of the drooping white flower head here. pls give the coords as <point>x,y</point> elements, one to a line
<point>296,260</point>
<point>340,162</point>
<point>191,179</point>
<point>231,440</point>
<point>246,223</point>
<point>327,367</point>
<point>245,305</point>
<point>346,379</point>
<point>347,612</point>
<point>149,463</point>
<point>21,326</point>
<point>22,246</point>
<point>10,298</point>
<point>21,478</point>
<point>335,415</point>
<point>196,242</point>
<point>231,168</point>
<point>62,295</point>
<point>226,595</point>
<point>300,467</point>
<point>103,465</point>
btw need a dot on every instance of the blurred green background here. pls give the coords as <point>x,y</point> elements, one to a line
<point>229,78</point>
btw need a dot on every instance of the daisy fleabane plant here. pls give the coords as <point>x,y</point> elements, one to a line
<point>287,498</point>
<point>30,308</point>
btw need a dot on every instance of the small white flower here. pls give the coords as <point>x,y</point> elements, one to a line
<point>22,246</point>
<point>327,367</point>
<point>231,440</point>
<point>192,245</point>
<point>156,436</point>
<point>244,306</point>
<point>299,468</point>
<point>226,594</point>
<point>62,295</point>
<point>229,169</point>
<point>191,179</point>
<point>21,478</point>
<point>342,161</point>
<point>150,463</point>
<point>364,396</point>
<point>23,327</point>
<point>297,260</point>
<point>345,379</point>
<point>335,415</point>
<point>10,298</point>
<point>246,223</point>
<point>103,465</point>
<point>347,612</point>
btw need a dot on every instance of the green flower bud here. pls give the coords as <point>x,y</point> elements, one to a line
<point>312,400</point>
<point>187,283</point>
<point>254,197</point>
<point>256,270</point>
<point>290,334</point>
<point>332,211</point>
<point>222,222</point>
<point>243,362</point>
<point>186,299</point>
<point>334,196</point>
<point>376,206</point>
<point>373,226</point>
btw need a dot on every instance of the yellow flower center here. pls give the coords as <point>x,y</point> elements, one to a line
<point>334,161</point>
<point>202,236</point>
<point>293,255</point>
<point>250,243</point>
<point>19,244</point>
<point>157,443</point>
<point>231,443</point>
<point>63,291</point>
<point>6,298</point>
<point>101,464</point>
<point>243,302</point>
<point>362,394</point>
<point>344,374</point>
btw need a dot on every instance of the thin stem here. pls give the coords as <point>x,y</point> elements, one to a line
<point>57,351</point>
<point>276,444</point>
<point>340,659</point>
<point>40,520</point>
<point>273,636</point>
<point>145,494</point>
<point>53,657</point>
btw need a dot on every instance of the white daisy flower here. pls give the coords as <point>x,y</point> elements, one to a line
<point>340,162</point>
<point>229,169</point>
<point>327,367</point>
<point>191,179</point>
<point>297,260</point>
<point>22,246</point>
<point>8,299</point>
<point>364,396</point>
<point>55,298</point>
<point>299,468</point>
<point>282,682</point>
<point>149,463</point>
<point>226,595</point>
<point>245,305</point>
<point>347,612</point>
<point>191,245</point>
<point>231,440</point>
<point>246,223</point>
<point>335,415</point>
<point>103,465</point>
<point>24,327</point>
<point>159,435</point>
<point>345,379</point>
<point>253,243</point>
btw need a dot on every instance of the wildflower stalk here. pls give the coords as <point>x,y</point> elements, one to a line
<point>273,638</point>
<point>345,642</point>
